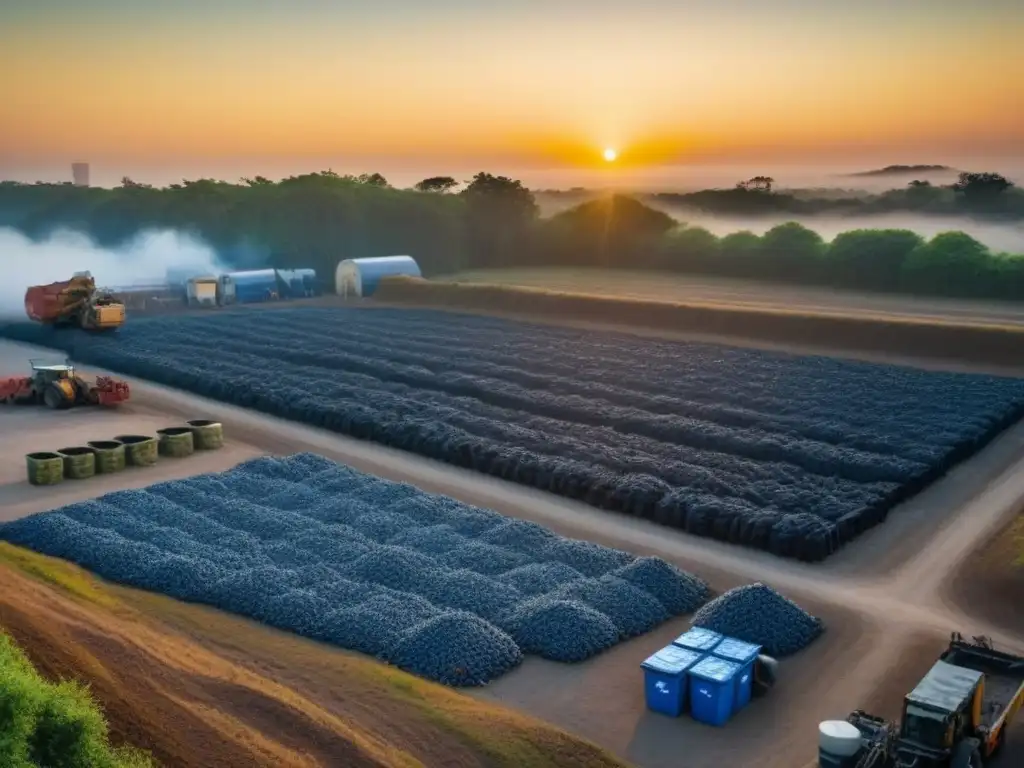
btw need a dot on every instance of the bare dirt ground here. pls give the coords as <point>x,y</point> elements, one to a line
<point>723,291</point>
<point>878,598</point>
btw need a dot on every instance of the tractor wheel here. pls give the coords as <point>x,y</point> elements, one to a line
<point>966,755</point>
<point>55,398</point>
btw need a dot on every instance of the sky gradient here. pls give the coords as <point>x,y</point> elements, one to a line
<point>525,82</point>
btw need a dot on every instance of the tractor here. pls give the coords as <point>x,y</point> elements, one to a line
<point>58,386</point>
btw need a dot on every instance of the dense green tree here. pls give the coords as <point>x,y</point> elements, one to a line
<point>982,185</point>
<point>951,263</point>
<point>739,254</point>
<point>500,218</point>
<point>691,248</point>
<point>440,184</point>
<point>872,258</point>
<point>792,252</point>
<point>611,231</point>
<point>316,219</point>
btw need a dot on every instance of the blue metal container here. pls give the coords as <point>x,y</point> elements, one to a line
<point>665,679</point>
<point>698,639</point>
<point>712,690</point>
<point>253,286</point>
<point>744,654</point>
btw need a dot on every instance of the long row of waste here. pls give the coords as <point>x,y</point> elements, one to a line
<point>796,455</point>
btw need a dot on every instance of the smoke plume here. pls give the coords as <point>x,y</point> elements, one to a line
<point>144,260</point>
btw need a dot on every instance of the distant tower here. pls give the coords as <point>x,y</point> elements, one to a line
<point>80,172</point>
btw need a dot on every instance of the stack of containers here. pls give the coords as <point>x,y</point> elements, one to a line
<point>705,670</point>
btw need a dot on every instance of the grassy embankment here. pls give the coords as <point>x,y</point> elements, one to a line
<point>53,724</point>
<point>979,343</point>
<point>195,686</point>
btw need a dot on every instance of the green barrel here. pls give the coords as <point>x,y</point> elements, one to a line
<point>176,442</point>
<point>206,435</point>
<point>79,462</point>
<point>109,456</point>
<point>139,450</point>
<point>45,468</point>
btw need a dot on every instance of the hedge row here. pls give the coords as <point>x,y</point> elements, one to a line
<point>444,590</point>
<point>58,725</point>
<point>796,455</point>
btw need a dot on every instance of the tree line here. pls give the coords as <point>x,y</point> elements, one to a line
<point>314,220</point>
<point>983,195</point>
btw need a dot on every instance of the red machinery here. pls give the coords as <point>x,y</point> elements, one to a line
<point>58,386</point>
<point>74,303</point>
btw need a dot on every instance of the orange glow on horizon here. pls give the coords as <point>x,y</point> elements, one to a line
<point>655,92</point>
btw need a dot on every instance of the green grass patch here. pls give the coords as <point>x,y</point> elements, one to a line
<point>67,577</point>
<point>57,725</point>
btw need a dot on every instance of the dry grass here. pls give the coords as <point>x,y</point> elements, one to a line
<point>989,584</point>
<point>195,686</point>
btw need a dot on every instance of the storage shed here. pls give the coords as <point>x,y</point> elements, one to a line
<point>360,277</point>
<point>297,283</point>
<point>250,287</point>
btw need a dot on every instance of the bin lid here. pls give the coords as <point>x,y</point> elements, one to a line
<point>714,669</point>
<point>672,660</point>
<point>737,650</point>
<point>698,638</point>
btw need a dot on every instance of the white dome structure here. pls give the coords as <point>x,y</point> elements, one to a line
<point>360,277</point>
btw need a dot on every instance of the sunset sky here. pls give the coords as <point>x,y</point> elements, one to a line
<point>535,83</point>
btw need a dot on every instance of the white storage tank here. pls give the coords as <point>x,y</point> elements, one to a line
<point>360,277</point>
<point>839,743</point>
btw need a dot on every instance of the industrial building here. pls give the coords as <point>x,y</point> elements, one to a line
<point>360,277</point>
<point>80,174</point>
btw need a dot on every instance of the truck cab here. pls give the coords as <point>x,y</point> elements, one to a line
<point>941,713</point>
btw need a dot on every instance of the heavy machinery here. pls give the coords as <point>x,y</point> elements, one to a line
<point>956,717</point>
<point>58,386</point>
<point>74,303</point>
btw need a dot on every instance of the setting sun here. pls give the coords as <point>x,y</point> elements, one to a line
<point>610,155</point>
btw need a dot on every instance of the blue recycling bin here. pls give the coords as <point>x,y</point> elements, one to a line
<point>665,679</point>
<point>744,654</point>
<point>712,690</point>
<point>698,639</point>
